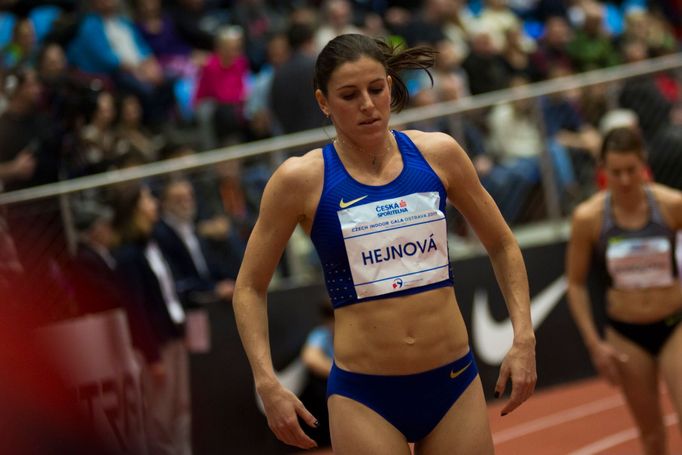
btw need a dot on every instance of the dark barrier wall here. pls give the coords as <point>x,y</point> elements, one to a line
<point>227,420</point>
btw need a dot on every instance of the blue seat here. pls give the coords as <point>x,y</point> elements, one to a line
<point>7,21</point>
<point>42,18</point>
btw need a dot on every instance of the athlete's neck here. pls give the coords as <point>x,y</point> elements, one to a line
<point>629,202</point>
<point>373,155</point>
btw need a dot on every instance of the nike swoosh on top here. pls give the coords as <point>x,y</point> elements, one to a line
<point>492,339</point>
<point>344,205</point>
<point>454,374</point>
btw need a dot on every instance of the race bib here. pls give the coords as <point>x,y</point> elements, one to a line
<point>640,263</point>
<point>395,244</point>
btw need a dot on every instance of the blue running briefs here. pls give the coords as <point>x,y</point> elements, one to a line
<point>413,403</point>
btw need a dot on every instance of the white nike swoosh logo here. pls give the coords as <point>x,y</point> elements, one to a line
<point>492,339</point>
<point>344,205</point>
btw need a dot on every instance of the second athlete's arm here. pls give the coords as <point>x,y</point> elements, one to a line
<point>578,259</point>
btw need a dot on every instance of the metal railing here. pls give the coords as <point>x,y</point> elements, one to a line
<point>310,138</point>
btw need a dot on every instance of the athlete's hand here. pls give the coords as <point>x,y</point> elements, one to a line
<point>519,367</point>
<point>282,409</point>
<point>606,360</point>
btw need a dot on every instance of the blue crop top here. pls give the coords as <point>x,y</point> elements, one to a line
<point>373,241</point>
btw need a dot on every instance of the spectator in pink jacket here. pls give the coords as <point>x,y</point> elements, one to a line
<point>221,90</point>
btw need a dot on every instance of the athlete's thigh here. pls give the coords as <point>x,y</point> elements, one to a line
<point>464,429</point>
<point>639,381</point>
<point>671,367</point>
<point>358,430</point>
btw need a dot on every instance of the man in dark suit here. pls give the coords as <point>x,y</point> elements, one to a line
<point>198,278</point>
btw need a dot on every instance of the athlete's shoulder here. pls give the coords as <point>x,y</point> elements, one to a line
<point>300,171</point>
<point>431,141</point>
<point>670,202</point>
<point>591,210</point>
<point>669,196</point>
<point>440,150</point>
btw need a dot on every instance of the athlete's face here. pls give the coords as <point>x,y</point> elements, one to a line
<point>358,99</point>
<point>624,171</point>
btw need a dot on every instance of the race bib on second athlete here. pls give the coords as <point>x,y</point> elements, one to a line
<point>640,263</point>
<point>396,244</point>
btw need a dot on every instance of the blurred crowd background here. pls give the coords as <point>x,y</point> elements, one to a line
<point>90,87</point>
<point>97,86</point>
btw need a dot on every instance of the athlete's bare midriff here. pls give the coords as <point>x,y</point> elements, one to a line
<point>643,306</point>
<point>401,335</point>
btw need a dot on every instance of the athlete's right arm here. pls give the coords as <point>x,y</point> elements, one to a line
<point>282,207</point>
<point>578,260</point>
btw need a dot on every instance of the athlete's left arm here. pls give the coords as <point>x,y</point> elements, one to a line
<point>467,194</point>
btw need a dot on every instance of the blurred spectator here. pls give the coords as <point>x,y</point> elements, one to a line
<point>197,275</point>
<point>373,25</point>
<point>258,19</point>
<point>150,287</point>
<point>293,81</point>
<point>591,48</point>
<point>257,108</point>
<point>26,136</point>
<point>457,19</point>
<point>517,143</point>
<point>651,29</point>
<point>132,136</point>
<point>107,43</point>
<point>92,271</point>
<point>25,157</point>
<point>552,49</point>
<point>220,235</point>
<point>665,151</point>
<point>239,189</point>
<point>447,67</point>
<point>158,29</point>
<point>190,18</point>
<point>29,156</point>
<point>425,25</point>
<point>221,90</point>
<point>337,19</point>
<point>573,143</point>
<point>517,50</point>
<point>16,166</point>
<point>22,50</point>
<point>546,9</point>
<point>497,19</point>
<point>98,138</point>
<point>642,95</point>
<point>486,69</point>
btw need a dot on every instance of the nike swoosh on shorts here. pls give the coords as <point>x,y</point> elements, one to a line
<point>454,374</point>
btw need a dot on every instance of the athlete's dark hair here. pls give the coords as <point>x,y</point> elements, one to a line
<point>395,59</point>
<point>623,140</point>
